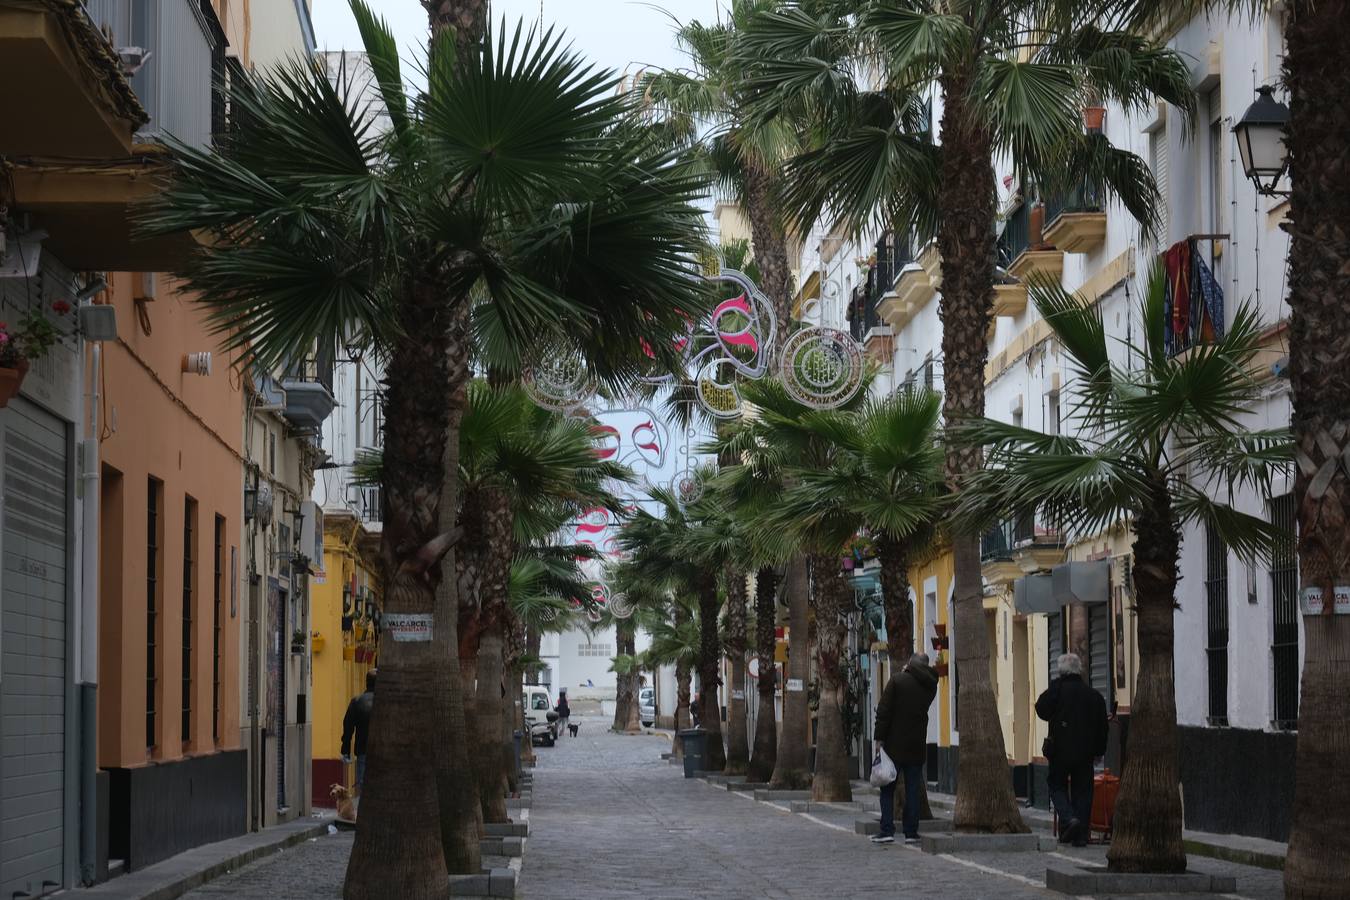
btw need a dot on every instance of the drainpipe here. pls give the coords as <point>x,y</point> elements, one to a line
<point>87,674</point>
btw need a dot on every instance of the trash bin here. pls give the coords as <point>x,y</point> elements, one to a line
<point>515,740</point>
<point>695,743</point>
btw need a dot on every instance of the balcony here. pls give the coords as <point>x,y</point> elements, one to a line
<point>186,47</point>
<point>64,83</point>
<point>1010,299</point>
<point>1022,249</point>
<point>309,391</point>
<point>1076,220</point>
<point>86,153</point>
<point>1020,545</point>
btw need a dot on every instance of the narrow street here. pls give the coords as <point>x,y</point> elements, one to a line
<point>611,819</point>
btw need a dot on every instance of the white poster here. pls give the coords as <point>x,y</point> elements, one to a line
<point>408,626</point>
<point>794,684</point>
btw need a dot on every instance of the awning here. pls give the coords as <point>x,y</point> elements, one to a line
<point>1034,594</point>
<point>1081,582</point>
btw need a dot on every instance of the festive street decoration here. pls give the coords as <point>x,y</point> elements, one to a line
<point>557,378</point>
<point>821,367</point>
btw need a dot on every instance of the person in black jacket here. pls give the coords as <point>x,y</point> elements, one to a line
<point>356,723</point>
<point>902,728</point>
<point>564,711</point>
<point>1077,716</point>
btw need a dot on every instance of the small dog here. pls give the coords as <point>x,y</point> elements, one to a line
<point>573,728</point>
<point>344,799</point>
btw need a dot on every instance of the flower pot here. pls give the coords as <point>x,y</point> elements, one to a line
<point>940,629</point>
<point>1093,116</point>
<point>10,382</point>
<point>316,643</point>
<point>848,562</point>
<point>941,669</point>
<point>1036,227</point>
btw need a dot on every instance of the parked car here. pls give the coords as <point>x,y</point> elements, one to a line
<point>647,706</point>
<point>537,702</point>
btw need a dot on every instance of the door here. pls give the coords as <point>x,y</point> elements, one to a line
<point>278,646</point>
<point>33,605</point>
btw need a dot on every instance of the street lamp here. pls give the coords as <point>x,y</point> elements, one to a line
<point>1260,138</point>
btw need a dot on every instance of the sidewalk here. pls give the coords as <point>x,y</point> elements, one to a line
<point>177,875</point>
<point>1236,848</point>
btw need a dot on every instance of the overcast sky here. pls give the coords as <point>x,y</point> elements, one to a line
<point>618,34</point>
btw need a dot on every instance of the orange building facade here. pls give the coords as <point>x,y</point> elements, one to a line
<point>171,507</point>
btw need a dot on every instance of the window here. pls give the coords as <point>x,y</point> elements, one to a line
<point>1216,644</point>
<point>928,373</point>
<point>189,561</point>
<point>1215,167</point>
<point>1284,609</point>
<point>1052,413</point>
<point>154,508</point>
<point>595,650</point>
<point>1157,150</point>
<point>217,593</point>
<point>540,701</point>
<point>272,452</point>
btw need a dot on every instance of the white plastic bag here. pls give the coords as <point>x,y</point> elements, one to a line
<point>883,770</point>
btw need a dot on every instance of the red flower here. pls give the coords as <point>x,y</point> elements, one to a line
<point>61,307</point>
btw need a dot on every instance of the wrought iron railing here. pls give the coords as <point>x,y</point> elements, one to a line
<point>1085,197</point>
<point>1016,236</point>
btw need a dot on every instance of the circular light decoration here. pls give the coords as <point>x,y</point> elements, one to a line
<point>822,367</point>
<point>556,378</point>
<point>594,615</point>
<point>620,607</point>
<point>688,488</point>
<point>716,389</point>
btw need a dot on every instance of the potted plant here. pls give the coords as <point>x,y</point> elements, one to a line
<point>298,641</point>
<point>1094,114</point>
<point>24,344</point>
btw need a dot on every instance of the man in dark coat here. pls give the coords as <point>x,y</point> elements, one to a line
<point>1077,716</point>
<point>356,723</point>
<point>902,728</point>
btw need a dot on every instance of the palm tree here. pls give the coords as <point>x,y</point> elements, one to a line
<point>1316,74</point>
<point>764,757</point>
<point>521,467</point>
<point>674,641</point>
<point>1013,78</point>
<point>747,159</point>
<point>801,444</point>
<point>686,549</point>
<point>506,184</point>
<point>1159,439</point>
<point>886,479</point>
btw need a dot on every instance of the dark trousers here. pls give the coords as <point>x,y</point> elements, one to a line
<point>1071,793</point>
<point>909,816</point>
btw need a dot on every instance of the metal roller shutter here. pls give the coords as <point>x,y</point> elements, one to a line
<point>1054,624</point>
<point>33,652</point>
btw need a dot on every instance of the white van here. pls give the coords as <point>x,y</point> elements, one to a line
<point>537,702</point>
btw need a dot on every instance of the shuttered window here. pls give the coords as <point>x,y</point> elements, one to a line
<point>1054,624</point>
<point>1284,609</point>
<point>1216,620</point>
<point>1157,146</point>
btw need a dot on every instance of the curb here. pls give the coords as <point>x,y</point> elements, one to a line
<point>122,888</point>
<point>1234,854</point>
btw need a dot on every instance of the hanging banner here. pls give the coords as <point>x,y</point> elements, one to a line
<point>408,626</point>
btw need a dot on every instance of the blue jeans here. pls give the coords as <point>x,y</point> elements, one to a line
<point>909,816</point>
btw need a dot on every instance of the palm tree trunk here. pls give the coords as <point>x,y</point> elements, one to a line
<point>492,761</point>
<point>894,556</point>
<point>984,795</point>
<point>1146,835</point>
<point>1318,77</point>
<point>831,782</point>
<point>709,661</point>
<point>770,238</point>
<point>398,849</point>
<point>468,19</point>
<point>790,770</point>
<point>738,738</point>
<point>682,719</point>
<point>766,721</point>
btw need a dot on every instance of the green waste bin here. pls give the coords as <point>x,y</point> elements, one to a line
<point>695,744</point>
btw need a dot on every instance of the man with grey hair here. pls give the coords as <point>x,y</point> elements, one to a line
<point>1078,728</point>
<point>902,728</point>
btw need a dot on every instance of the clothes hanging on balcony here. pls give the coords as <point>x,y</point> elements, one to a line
<point>1193,303</point>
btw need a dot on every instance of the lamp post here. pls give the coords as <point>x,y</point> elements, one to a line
<point>1260,138</point>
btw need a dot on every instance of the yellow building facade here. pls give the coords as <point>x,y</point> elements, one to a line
<point>344,612</point>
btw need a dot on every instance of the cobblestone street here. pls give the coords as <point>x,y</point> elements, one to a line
<point>611,819</point>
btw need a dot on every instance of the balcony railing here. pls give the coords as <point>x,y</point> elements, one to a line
<point>1016,236</point>
<point>1086,197</point>
<point>1014,532</point>
<point>317,368</point>
<point>186,55</point>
